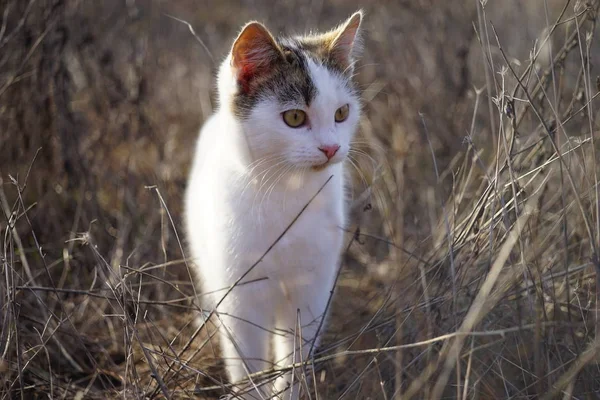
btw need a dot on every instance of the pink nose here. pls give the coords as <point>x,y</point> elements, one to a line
<point>329,151</point>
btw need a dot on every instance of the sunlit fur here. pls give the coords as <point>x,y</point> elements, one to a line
<point>252,175</point>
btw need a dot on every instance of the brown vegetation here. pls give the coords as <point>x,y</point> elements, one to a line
<point>471,270</point>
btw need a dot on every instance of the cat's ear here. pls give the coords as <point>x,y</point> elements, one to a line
<point>346,42</point>
<point>254,53</point>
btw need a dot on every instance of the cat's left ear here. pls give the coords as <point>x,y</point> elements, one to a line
<point>346,43</point>
<point>254,53</point>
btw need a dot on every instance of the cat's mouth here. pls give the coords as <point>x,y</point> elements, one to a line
<point>320,167</point>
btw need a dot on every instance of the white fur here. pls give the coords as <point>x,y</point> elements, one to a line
<point>249,181</point>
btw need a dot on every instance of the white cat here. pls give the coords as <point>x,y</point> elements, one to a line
<point>288,110</point>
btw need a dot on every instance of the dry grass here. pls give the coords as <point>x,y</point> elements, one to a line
<point>471,269</point>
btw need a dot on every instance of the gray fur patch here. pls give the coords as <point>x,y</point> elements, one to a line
<point>287,80</point>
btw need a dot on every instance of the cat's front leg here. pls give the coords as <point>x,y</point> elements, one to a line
<point>301,331</point>
<point>244,343</point>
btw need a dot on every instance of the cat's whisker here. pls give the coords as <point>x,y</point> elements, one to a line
<point>374,191</point>
<point>258,185</point>
<point>377,163</point>
<point>350,67</point>
<point>374,163</point>
<point>272,157</point>
<point>257,181</point>
<point>270,173</point>
<point>253,178</point>
<point>250,168</point>
<point>272,178</point>
<point>282,174</point>
<point>364,154</point>
<point>360,173</point>
<point>366,65</point>
<point>269,161</point>
<point>277,180</point>
<point>368,145</point>
<point>264,175</point>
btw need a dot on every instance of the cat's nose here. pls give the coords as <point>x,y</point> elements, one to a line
<point>329,151</point>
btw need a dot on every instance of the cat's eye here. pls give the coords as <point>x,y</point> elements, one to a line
<point>342,113</point>
<point>294,118</point>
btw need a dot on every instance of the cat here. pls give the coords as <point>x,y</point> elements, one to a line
<point>272,152</point>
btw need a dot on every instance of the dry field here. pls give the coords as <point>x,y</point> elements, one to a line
<point>472,263</point>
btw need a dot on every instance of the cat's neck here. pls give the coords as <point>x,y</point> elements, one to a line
<point>226,84</point>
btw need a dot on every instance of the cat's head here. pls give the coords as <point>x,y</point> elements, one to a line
<point>294,96</point>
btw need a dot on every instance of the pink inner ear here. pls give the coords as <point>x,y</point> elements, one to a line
<point>245,73</point>
<point>346,38</point>
<point>343,44</point>
<point>253,53</point>
<point>249,68</point>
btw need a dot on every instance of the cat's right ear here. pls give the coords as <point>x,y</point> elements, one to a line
<point>346,42</point>
<point>253,54</point>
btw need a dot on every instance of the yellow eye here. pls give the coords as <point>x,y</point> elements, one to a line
<point>294,118</point>
<point>342,113</point>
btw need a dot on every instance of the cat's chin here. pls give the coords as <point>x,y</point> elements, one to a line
<point>326,164</point>
<point>321,167</point>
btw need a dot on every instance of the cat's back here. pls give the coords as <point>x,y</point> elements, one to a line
<point>207,192</point>
<point>216,158</point>
<point>208,143</point>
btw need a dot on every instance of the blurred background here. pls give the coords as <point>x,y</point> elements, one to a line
<point>475,204</point>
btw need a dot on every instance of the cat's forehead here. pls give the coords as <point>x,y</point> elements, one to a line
<point>292,80</point>
<point>316,47</point>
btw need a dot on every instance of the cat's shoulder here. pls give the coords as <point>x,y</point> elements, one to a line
<point>214,121</point>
